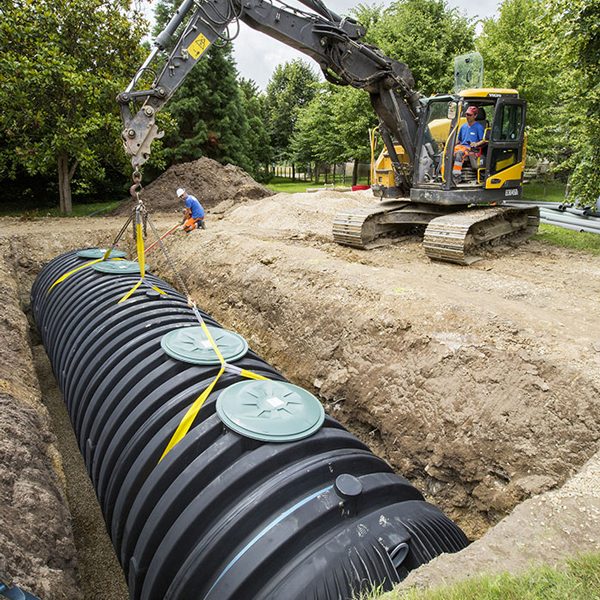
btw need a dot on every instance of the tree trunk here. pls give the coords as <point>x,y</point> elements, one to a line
<point>293,171</point>
<point>326,169</point>
<point>355,172</point>
<point>333,174</point>
<point>316,173</point>
<point>65,175</point>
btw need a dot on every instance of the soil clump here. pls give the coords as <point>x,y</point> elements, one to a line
<point>211,182</point>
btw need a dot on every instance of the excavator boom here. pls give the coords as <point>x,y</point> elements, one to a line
<point>332,41</point>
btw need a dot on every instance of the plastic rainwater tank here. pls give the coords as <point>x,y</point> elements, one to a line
<point>265,497</point>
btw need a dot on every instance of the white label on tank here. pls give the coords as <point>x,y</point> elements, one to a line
<point>275,402</point>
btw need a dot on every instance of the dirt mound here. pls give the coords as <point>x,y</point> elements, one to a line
<point>208,180</point>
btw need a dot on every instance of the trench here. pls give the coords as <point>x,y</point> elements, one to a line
<point>94,564</point>
<point>98,567</point>
<point>125,387</point>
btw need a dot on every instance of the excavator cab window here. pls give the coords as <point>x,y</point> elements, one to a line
<point>506,141</point>
<point>434,136</point>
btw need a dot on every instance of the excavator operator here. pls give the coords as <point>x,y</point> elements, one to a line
<point>470,140</point>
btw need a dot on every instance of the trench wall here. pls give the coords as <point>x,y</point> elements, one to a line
<point>37,550</point>
<point>479,423</point>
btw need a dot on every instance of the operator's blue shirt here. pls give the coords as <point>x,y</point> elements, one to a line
<point>469,134</point>
<point>192,203</point>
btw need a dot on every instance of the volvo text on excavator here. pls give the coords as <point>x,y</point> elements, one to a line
<point>413,174</point>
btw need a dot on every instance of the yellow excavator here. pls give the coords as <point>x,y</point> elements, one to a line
<point>459,216</point>
<point>413,175</point>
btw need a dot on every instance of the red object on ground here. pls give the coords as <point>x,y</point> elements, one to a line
<point>162,237</point>
<point>356,188</point>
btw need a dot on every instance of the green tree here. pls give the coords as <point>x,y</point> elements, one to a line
<point>289,89</point>
<point>210,113</point>
<point>315,137</point>
<point>573,34</point>
<point>63,63</point>
<point>424,34</point>
<point>515,52</point>
<point>209,107</point>
<point>353,116</point>
<point>257,137</point>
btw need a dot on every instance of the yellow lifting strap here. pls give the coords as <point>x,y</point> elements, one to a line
<point>93,262</point>
<point>73,271</point>
<point>141,257</point>
<point>192,412</point>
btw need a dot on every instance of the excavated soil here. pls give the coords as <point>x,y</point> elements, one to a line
<point>479,384</point>
<point>208,180</point>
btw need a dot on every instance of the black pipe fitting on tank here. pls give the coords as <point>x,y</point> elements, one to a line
<point>264,497</point>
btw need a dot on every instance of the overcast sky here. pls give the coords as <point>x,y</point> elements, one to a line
<point>257,54</point>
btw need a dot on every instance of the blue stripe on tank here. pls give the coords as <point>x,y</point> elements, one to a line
<point>268,528</point>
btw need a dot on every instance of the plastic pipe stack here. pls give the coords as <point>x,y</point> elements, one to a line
<point>265,497</point>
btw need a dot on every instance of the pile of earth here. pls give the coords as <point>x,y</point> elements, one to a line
<point>211,182</point>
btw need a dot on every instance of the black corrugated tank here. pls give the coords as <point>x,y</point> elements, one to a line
<point>223,515</point>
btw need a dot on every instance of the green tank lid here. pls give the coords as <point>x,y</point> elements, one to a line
<point>100,252</point>
<point>190,344</point>
<point>118,267</point>
<point>270,411</point>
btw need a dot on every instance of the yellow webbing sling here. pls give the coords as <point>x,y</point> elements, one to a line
<point>194,409</point>
<point>141,256</point>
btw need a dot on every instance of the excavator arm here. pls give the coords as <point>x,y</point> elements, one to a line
<point>332,41</point>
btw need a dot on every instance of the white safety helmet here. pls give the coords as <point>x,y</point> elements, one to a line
<point>180,192</point>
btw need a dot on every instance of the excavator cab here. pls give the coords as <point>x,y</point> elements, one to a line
<point>491,173</point>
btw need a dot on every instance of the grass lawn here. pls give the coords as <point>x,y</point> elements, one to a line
<point>579,579</point>
<point>566,238</point>
<point>553,191</point>
<point>285,184</point>
<point>79,210</point>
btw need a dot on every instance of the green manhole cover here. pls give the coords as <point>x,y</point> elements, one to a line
<point>190,344</point>
<point>118,267</point>
<point>100,252</point>
<point>270,411</point>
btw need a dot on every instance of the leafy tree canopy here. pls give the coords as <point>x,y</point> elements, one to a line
<point>290,88</point>
<point>63,63</point>
<point>315,137</point>
<point>515,51</point>
<point>424,34</point>
<point>572,32</point>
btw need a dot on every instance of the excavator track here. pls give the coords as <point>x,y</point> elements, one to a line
<point>361,227</point>
<point>370,227</point>
<point>457,237</point>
